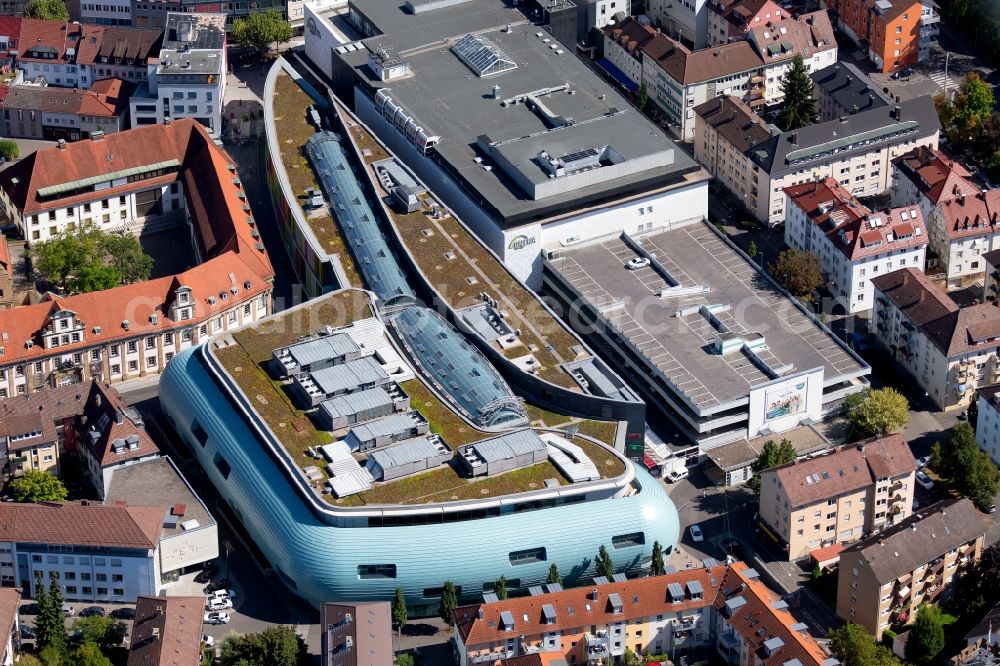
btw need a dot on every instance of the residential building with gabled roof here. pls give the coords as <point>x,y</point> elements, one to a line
<point>166,631</point>
<point>730,20</point>
<point>963,219</point>
<point>837,497</point>
<point>949,350</point>
<point>853,243</point>
<point>884,578</point>
<point>722,609</point>
<point>35,429</point>
<point>623,44</point>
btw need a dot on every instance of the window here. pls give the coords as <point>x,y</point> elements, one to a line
<point>150,361</point>
<point>168,338</point>
<point>132,346</point>
<point>528,556</point>
<point>628,540</point>
<point>119,592</point>
<point>133,366</point>
<point>114,351</point>
<point>116,369</point>
<point>368,571</point>
<point>117,578</point>
<point>102,591</point>
<point>186,335</point>
<point>151,342</point>
<point>95,354</point>
<point>71,589</point>
<point>101,578</point>
<point>199,433</point>
<point>222,466</point>
<point>88,591</point>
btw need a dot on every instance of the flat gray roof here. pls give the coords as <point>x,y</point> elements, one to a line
<point>157,482</point>
<point>348,375</point>
<point>581,111</point>
<point>179,63</point>
<point>410,451</point>
<point>323,348</point>
<point>354,403</point>
<point>393,424</point>
<point>509,445</point>
<point>681,346</point>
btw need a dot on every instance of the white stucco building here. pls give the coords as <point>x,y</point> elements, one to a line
<point>988,425</point>
<point>854,244</point>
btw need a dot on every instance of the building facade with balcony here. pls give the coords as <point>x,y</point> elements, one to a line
<point>949,350</point>
<point>725,610</point>
<point>884,578</point>
<point>730,20</point>
<point>852,242</point>
<point>963,220</point>
<point>356,634</point>
<point>836,498</point>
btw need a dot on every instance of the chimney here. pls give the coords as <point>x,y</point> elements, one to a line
<point>62,144</point>
<point>896,112</point>
<point>793,138</point>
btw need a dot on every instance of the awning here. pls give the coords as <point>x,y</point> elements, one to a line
<point>618,75</point>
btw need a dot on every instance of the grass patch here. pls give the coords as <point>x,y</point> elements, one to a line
<point>549,419</point>
<point>604,431</point>
<point>293,130</point>
<point>607,463</point>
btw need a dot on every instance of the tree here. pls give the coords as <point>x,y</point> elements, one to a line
<point>798,272</point>
<point>968,469</point>
<point>643,101</point>
<point>816,574</point>
<point>259,29</point>
<point>53,656</point>
<point>500,587</point>
<point>752,250</point>
<point>275,646</point>
<point>632,659</point>
<point>50,625</point>
<point>772,455</point>
<point>854,646</point>
<point>554,576</point>
<point>977,587</point>
<point>604,565</point>
<point>974,102</point>
<point>404,659</point>
<point>657,565</point>
<point>880,412</point>
<point>38,486</point>
<point>88,654</point>
<point>103,631</point>
<point>9,150</point>
<point>399,614</point>
<point>90,259</point>
<point>51,10</point>
<point>449,602</point>
<point>799,107</point>
<point>926,639</point>
<point>29,660</point>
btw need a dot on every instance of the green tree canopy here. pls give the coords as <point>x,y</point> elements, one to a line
<point>500,587</point>
<point>643,100</point>
<point>879,412</point>
<point>449,602</point>
<point>854,646</point>
<point>260,29</point>
<point>50,624</point>
<point>90,260</point>
<point>275,646</point>
<point>974,102</point>
<point>399,613</point>
<point>604,565</point>
<point>9,150</point>
<point>968,469</point>
<point>89,654</point>
<point>798,272</point>
<point>770,456</point>
<point>103,631</point>
<point>657,566</point>
<point>554,576</point>
<point>799,106</point>
<point>52,10</point>
<point>38,486</point>
<point>404,659</point>
<point>977,587</point>
<point>926,639</point>
<point>54,656</point>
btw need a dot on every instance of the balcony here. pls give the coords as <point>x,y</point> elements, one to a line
<point>930,19</point>
<point>929,31</point>
<point>597,645</point>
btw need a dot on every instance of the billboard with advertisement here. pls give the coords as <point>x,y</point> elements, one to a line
<point>785,400</point>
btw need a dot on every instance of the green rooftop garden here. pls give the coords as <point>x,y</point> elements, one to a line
<point>293,130</point>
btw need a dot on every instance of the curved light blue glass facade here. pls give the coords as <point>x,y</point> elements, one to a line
<point>458,369</point>
<point>324,552</point>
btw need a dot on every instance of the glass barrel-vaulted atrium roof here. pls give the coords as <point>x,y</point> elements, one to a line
<point>458,370</point>
<point>482,56</point>
<point>356,219</point>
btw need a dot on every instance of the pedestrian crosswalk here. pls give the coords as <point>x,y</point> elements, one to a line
<point>939,79</point>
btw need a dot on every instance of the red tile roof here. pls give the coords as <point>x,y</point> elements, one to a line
<point>82,524</point>
<point>851,227</point>
<point>117,428</point>
<point>827,553</point>
<point>10,599</point>
<point>715,62</point>
<point>806,482</point>
<point>21,414</point>
<point>631,34</point>
<point>805,35</point>
<point>50,99</point>
<point>167,631</point>
<point>52,36</point>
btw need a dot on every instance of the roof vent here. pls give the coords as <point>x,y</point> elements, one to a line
<point>153,318</point>
<point>125,324</point>
<point>29,344</point>
<point>247,284</point>
<point>97,330</point>
<point>211,300</point>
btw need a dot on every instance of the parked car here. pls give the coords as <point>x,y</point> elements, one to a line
<point>93,610</point>
<point>27,632</point>
<point>923,462</point>
<point>222,594</point>
<point>123,614</point>
<point>916,504</point>
<point>676,474</point>
<point>986,507</point>
<point>924,480</point>
<point>216,618</point>
<point>208,640</point>
<point>206,574</point>
<point>68,610</point>
<point>636,262</point>
<point>29,609</point>
<point>696,534</point>
<point>218,604</point>
<point>218,585</point>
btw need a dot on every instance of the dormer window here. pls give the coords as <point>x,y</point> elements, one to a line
<point>63,324</point>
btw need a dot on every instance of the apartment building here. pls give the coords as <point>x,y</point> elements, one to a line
<point>949,350</point>
<point>623,44</point>
<point>166,630</point>
<point>852,242</point>
<point>684,20</point>
<point>165,174</point>
<point>678,79</point>
<point>896,33</point>
<point>725,610</point>
<point>189,80</point>
<point>838,497</point>
<point>35,429</point>
<point>50,113</point>
<point>988,423</point>
<point>855,149</point>
<point>105,12</point>
<point>884,578</point>
<point>155,14</point>
<point>731,20</point>
<point>842,89</point>
<point>356,634</point>
<point>962,219</point>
